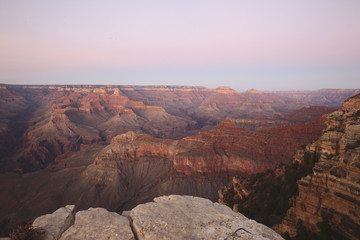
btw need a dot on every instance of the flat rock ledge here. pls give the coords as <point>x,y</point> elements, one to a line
<point>167,217</point>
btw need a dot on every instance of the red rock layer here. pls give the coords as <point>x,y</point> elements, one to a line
<point>224,149</point>
<point>228,148</point>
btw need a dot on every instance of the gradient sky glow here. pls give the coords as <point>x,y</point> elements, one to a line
<point>267,45</point>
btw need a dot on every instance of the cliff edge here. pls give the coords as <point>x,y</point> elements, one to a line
<point>330,197</point>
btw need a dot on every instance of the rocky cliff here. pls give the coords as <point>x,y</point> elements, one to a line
<point>330,196</point>
<point>167,217</point>
<point>264,196</point>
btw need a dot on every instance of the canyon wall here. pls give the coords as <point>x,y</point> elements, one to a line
<point>331,194</point>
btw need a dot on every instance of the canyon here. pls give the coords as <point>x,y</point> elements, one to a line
<point>320,189</point>
<point>39,123</point>
<point>120,146</point>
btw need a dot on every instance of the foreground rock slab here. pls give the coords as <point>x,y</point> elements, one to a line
<point>56,223</point>
<point>98,223</point>
<point>187,217</point>
<point>167,217</point>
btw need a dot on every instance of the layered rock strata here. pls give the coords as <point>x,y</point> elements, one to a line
<point>167,217</point>
<point>332,193</point>
<point>40,123</point>
<point>223,149</point>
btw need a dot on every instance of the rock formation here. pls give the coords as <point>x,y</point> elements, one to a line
<point>56,223</point>
<point>98,223</point>
<point>331,194</point>
<point>264,196</point>
<point>167,217</point>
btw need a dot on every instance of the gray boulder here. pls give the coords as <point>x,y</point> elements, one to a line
<point>97,224</point>
<point>56,223</point>
<point>167,217</point>
<point>187,217</point>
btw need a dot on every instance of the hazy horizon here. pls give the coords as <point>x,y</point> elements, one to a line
<point>272,45</point>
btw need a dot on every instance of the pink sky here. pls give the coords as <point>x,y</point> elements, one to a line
<point>49,39</point>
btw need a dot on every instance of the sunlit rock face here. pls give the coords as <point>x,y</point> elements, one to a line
<point>331,193</point>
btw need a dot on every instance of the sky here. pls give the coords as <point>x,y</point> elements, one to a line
<point>261,44</point>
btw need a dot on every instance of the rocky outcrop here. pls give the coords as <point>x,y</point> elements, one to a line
<point>167,217</point>
<point>187,217</point>
<point>56,223</point>
<point>264,197</point>
<point>98,223</point>
<point>331,194</point>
